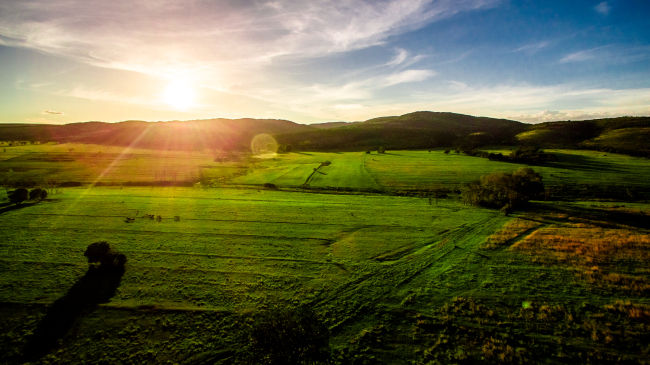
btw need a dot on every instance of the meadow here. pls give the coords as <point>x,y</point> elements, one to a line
<point>396,279</point>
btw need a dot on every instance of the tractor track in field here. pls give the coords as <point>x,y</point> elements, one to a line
<point>123,216</point>
<point>352,298</point>
<point>329,240</point>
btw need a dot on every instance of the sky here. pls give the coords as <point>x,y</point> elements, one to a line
<point>64,61</point>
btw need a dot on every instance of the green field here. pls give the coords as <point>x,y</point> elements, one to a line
<point>395,279</point>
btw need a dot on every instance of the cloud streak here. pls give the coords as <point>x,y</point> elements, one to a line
<point>52,112</point>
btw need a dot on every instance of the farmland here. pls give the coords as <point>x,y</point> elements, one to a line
<point>395,279</point>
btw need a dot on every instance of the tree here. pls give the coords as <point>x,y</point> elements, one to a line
<point>288,148</point>
<point>381,149</point>
<point>43,195</point>
<point>103,257</point>
<point>447,152</point>
<point>18,196</point>
<point>500,189</point>
<point>35,194</point>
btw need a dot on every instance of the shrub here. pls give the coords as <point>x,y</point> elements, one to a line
<point>18,196</point>
<point>381,150</point>
<point>500,189</point>
<point>447,152</point>
<point>43,195</point>
<point>270,186</point>
<point>35,194</point>
<point>285,336</point>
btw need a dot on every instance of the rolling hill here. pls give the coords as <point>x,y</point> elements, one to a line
<point>418,130</point>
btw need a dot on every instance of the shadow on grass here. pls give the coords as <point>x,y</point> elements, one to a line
<point>304,153</point>
<point>95,287</point>
<point>8,207</point>
<point>579,162</point>
<point>601,217</point>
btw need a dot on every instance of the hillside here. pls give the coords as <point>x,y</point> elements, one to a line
<point>408,131</point>
<point>174,135</point>
<point>418,130</point>
<point>627,135</point>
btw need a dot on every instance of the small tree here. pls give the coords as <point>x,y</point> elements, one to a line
<point>18,196</point>
<point>447,152</point>
<point>288,148</point>
<point>381,149</point>
<point>100,255</point>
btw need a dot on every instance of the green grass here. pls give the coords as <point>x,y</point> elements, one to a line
<point>381,271</point>
<point>93,163</point>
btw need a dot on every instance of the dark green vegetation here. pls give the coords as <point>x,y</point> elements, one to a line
<point>419,130</point>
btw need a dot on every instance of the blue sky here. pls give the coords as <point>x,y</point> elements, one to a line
<point>68,61</point>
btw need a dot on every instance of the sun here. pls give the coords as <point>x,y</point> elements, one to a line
<point>179,95</point>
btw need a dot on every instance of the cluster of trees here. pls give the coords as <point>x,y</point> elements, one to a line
<point>284,148</point>
<point>523,154</point>
<point>504,190</point>
<point>20,195</point>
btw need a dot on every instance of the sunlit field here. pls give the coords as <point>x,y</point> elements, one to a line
<point>394,279</point>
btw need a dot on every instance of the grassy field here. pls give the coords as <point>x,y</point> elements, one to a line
<point>395,279</point>
<point>104,164</point>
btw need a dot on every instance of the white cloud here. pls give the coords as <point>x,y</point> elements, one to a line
<point>216,44</point>
<point>603,8</point>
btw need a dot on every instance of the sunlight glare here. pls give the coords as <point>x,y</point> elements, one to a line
<point>179,95</point>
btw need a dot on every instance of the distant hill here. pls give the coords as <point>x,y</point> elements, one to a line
<point>329,125</point>
<point>627,135</point>
<point>408,131</point>
<point>418,130</point>
<point>174,135</point>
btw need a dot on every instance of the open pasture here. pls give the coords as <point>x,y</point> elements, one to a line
<point>104,164</point>
<point>427,170</point>
<point>262,240</point>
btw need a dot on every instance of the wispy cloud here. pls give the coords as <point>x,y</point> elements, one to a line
<point>214,43</point>
<point>603,8</point>
<point>52,112</point>
<point>533,48</point>
<point>525,103</point>
<point>609,54</point>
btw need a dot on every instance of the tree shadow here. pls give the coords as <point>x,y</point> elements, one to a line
<point>579,162</point>
<point>8,207</point>
<point>303,153</point>
<point>95,287</point>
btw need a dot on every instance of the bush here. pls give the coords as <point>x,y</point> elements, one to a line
<point>102,256</point>
<point>285,336</point>
<point>500,189</point>
<point>447,152</point>
<point>270,186</point>
<point>35,194</point>
<point>18,196</point>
